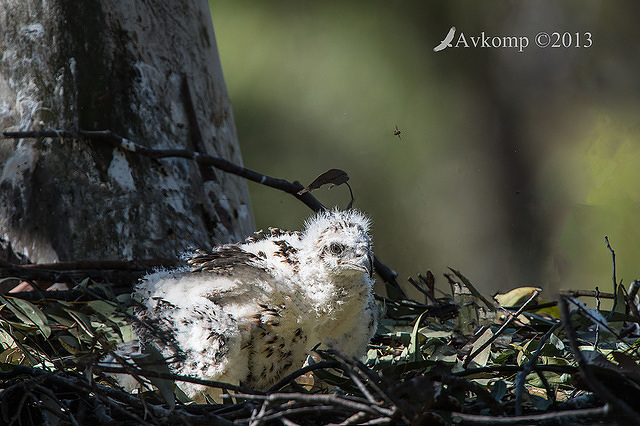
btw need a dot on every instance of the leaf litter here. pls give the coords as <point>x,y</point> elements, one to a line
<point>456,357</point>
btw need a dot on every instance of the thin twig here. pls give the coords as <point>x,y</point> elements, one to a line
<point>630,298</point>
<point>76,271</point>
<point>529,366</point>
<point>551,394</point>
<point>177,377</point>
<point>301,372</point>
<point>64,382</point>
<point>70,295</point>
<point>599,412</point>
<point>561,369</point>
<point>586,293</point>
<point>298,411</point>
<point>481,392</point>
<point>350,403</point>
<point>356,419</point>
<point>501,329</point>
<point>286,422</point>
<point>373,378</point>
<point>257,416</point>
<point>615,282</point>
<point>597,337</point>
<point>351,193</point>
<point>114,398</point>
<point>363,389</point>
<point>443,310</point>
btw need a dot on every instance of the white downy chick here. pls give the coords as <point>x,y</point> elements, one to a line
<point>250,313</point>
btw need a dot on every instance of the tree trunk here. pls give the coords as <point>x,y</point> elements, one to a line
<point>146,70</point>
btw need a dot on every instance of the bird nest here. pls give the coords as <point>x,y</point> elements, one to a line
<point>453,357</point>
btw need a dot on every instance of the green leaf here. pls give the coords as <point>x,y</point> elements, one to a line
<point>12,356</point>
<point>482,358</point>
<point>342,382</point>
<point>394,293</point>
<point>539,402</point>
<point>182,397</point>
<point>24,350</point>
<point>83,321</point>
<point>372,357</point>
<point>28,313</point>
<point>52,408</point>
<point>18,330</point>
<point>557,343</point>
<point>70,343</point>
<point>440,334</point>
<point>101,307</point>
<point>504,356</point>
<point>6,340</point>
<point>126,331</point>
<point>404,337</point>
<point>413,351</point>
<point>499,390</point>
<point>125,299</point>
<point>106,289</point>
<point>152,359</point>
<point>61,320</point>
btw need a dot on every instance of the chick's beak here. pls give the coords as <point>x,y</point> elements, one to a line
<point>365,261</point>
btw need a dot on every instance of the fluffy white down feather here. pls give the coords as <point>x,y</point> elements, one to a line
<point>250,313</point>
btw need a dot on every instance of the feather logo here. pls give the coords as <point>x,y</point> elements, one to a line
<point>447,40</point>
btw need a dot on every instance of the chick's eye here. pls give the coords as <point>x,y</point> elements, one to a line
<point>336,248</point>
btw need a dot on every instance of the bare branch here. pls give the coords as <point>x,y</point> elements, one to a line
<point>293,188</point>
<point>596,413</point>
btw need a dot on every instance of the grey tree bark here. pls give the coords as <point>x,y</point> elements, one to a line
<point>108,64</point>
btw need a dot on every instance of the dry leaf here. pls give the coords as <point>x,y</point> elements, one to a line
<point>334,177</point>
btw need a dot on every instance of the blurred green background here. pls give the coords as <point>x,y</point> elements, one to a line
<point>512,166</point>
